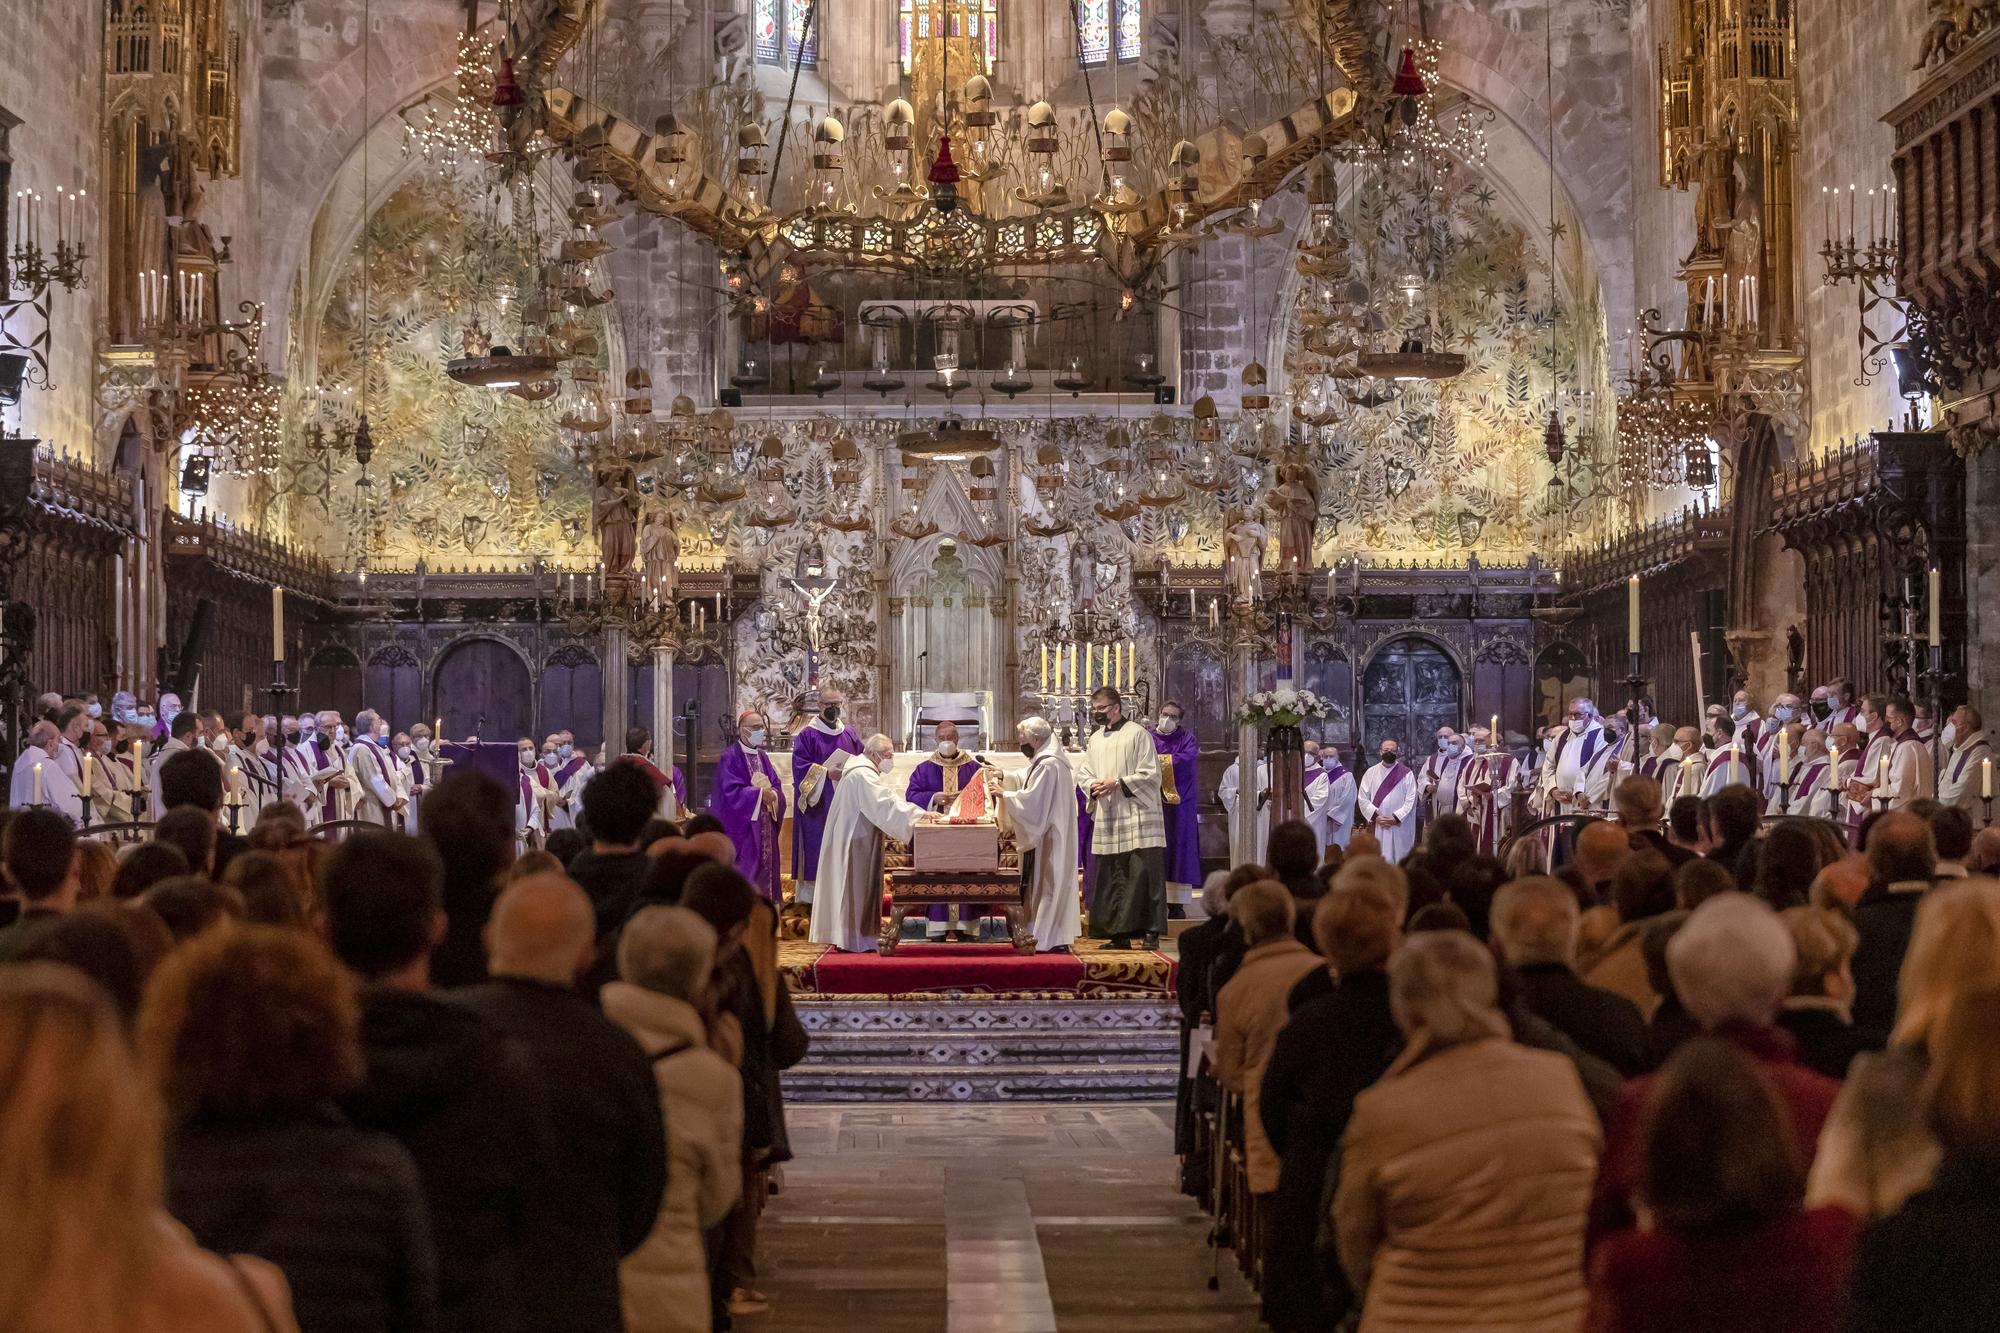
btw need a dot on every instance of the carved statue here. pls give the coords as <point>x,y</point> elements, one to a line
<point>659,551</point>
<point>1082,574</point>
<point>1715,194</point>
<point>1296,500</point>
<point>815,599</point>
<point>1743,252</point>
<point>1243,560</point>
<point>614,500</point>
<point>1952,24</point>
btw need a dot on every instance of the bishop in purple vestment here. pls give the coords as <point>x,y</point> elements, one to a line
<point>944,772</point>
<point>826,741</point>
<point>1180,799</point>
<point>751,812</point>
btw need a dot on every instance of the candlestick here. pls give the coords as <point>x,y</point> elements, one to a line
<point>277,623</point>
<point>1494,729</point>
<point>1882,787</point>
<point>1131,663</point>
<point>1072,664</point>
<point>1936,583</point>
<point>1632,614</point>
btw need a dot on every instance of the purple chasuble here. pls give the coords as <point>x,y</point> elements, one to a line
<point>926,781</point>
<point>813,746</point>
<point>1183,833</point>
<point>737,804</point>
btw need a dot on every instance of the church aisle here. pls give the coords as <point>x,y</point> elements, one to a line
<point>989,1219</point>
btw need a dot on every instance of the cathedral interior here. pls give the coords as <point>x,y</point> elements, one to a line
<point>589,363</point>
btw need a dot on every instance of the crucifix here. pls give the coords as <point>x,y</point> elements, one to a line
<point>813,585</point>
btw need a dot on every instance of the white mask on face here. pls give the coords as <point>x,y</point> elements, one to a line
<point>1169,725</point>
<point>885,763</point>
<point>1950,737</point>
<point>94,710</point>
<point>527,759</point>
<point>340,734</point>
<point>549,759</point>
<point>566,749</point>
<point>405,751</point>
<point>947,749</point>
<point>1577,725</point>
<point>756,739</point>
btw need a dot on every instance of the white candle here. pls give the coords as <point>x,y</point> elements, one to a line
<point>1936,584</point>
<point>1986,779</point>
<point>1190,603</point>
<point>1882,789</point>
<point>1089,662</point>
<point>1784,757</point>
<point>1735,757</point>
<point>1072,666</point>
<point>1494,729</point>
<point>277,624</point>
<point>1833,770</point>
<point>89,771</point>
<point>1632,614</point>
<point>235,785</point>
<point>38,782</point>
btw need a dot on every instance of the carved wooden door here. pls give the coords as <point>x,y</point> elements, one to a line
<point>1411,688</point>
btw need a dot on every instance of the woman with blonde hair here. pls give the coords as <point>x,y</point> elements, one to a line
<point>1876,1150</point>
<point>90,1246</point>
<point>96,863</point>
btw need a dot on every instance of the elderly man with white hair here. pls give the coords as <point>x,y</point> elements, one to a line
<point>609,1166</point>
<point>371,771</point>
<point>665,957</point>
<point>1040,806</point>
<point>1561,789</point>
<point>39,780</point>
<point>1732,965</point>
<point>847,901</point>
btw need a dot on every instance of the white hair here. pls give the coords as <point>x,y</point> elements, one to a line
<point>1732,962</point>
<point>1037,730</point>
<point>878,745</point>
<point>366,719</point>
<point>1213,898</point>
<point>1443,983</point>
<point>1535,921</point>
<point>668,950</point>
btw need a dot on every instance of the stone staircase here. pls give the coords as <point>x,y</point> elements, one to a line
<point>978,1049</point>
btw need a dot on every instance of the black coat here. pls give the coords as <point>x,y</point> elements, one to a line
<point>768,1049</point>
<point>1606,1024</point>
<point>1332,1049</point>
<point>1930,1266</point>
<point>338,1209</point>
<point>1199,945</point>
<point>1827,1042</point>
<point>467,1103</point>
<point>1652,840</point>
<point>608,1162</point>
<point>1884,921</point>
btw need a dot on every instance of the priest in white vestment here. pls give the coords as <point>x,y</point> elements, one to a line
<point>1228,792</point>
<point>1318,805</point>
<point>1040,806</point>
<point>1387,803</point>
<point>51,786</point>
<point>378,798</point>
<point>1339,798</point>
<point>847,898</point>
<point>1441,774</point>
<point>1967,754</point>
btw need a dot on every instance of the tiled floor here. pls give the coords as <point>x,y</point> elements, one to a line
<point>989,1219</point>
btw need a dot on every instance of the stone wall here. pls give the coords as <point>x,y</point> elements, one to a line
<point>50,79</point>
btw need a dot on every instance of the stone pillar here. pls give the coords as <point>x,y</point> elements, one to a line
<point>1982,578</point>
<point>1248,748</point>
<point>663,707</point>
<point>616,672</point>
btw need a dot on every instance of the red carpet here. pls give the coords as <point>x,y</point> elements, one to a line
<point>977,969</point>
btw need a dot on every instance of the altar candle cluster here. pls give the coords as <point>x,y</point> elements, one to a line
<point>1109,664</point>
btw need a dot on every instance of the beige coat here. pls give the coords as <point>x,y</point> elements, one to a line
<point>1465,1178</point>
<point>1249,1013</point>
<point>664,1283</point>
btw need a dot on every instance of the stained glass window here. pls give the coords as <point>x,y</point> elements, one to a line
<point>767,18</point>
<point>1095,28</point>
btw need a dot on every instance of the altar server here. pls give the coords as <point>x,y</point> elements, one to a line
<point>1128,832</point>
<point>40,780</point>
<point>1180,804</point>
<point>1966,752</point>
<point>818,753</point>
<point>1486,790</point>
<point>1440,789</point>
<point>1387,803</point>
<point>1340,794</point>
<point>1037,805</point>
<point>408,774</point>
<point>1228,792</point>
<point>847,909</point>
<point>1912,775</point>
<point>535,795</point>
<point>751,804</point>
<point>378,797</point>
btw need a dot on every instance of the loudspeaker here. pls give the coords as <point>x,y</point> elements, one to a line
<point>731,397</point>
<point>13,373</point>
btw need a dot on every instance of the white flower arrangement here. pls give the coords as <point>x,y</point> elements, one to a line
<point>1285,706</point>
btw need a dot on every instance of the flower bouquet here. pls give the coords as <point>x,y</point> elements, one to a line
<point>1282,707</point>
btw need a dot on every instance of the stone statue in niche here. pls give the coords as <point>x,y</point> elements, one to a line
<point>1952,24</point>
<point>1714,194</point>
<point>1082,574</point>
<point>1743,252</point>
<point>659,551</point>
<point>614,503</point>
<point>1296,500</point>
<point>1243,556</point>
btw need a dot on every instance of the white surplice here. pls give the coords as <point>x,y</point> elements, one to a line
<point>1227,792</point>
<point>1440,779</point>
<point>1959,781</point>
<point>58,792</point>
<point>847,897</point>
<point>1040,806</point>
<point>1339,807</point>
<point>1318,809</point>
<point>1400,803</point>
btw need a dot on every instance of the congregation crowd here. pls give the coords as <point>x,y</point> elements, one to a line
<point>1716,1072</point>
<point>264,1081</point>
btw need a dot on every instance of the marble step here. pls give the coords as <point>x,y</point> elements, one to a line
<point>972,1014</point>
<point>828,1083</point>
<point>998,1046</point>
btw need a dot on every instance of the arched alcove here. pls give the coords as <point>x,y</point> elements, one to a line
<point>393,685</point>
<point>482,687</point>
<point>1410,687</point>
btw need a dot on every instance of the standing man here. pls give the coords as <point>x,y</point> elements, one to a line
<point>1128,832</point>
<point>300,770</point>
<point>1315,798</point>
<point>847,909</point>
<point>1811,794</point>
<point>1228,792</point>
<point>1785,710</point>
<point>408,775</point>
<point>1387,802</point>
<point>1340,793</point>
<point>330,744</point>
<point>1486,790</point>
<point>933,785</point>
<point>251,758</point>
<point>818,753</point>
<point>1966,750</point>
<point>1879,740</point>
<point>1843,702</point>
<point>750,804</point>
<point>573,770</point>
<point>1730,763</point>
<point>1608,767</point>
<point>50,788</point>
<point>1039,805</point>
<point>1180,803</point>
<point>181,737</point>
<point>1561,789</point>
<point>1441,774</point>
<point>672,789</point>
<point>534,794</point>
<point>378,797</point>
<point>73,724</point>
<point>1911,775</point>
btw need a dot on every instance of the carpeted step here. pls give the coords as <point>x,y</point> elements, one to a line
<point>821,1083</point>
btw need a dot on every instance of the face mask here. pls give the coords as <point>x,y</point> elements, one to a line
<point>250,738</point>
<point>1388,757</point>
<point>1099,718</point>
<point>104,748</point>
<point>756,739</point>
<point>1738,710</point>
<point>404,751</point>
<point>884,764</point>
<point>549,759</point>
<point>947,748</point>
<point>144,719</point>
<point>94,711</point>
<point>423,743</point>
<point>565,749</point>
<point>218,742</point>
<point>1169,725</point>
<point>830,714</point>
<point>1783,712</point>
<point>527,759</point>
<point>1027,750</point>
<point>340,734</point>
<point>1820,710</point>
<point>1576,726</point>
<point>1832,702</point>
<point>167,715</point>
<point>292,736</point>
<point>1950,736</point>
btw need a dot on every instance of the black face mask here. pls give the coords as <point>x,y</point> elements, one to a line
<point>291,735</point>
<point>249,738</point>
<point>1821,710</point>
<point>1027,750</point>
<point>1388,756</point>
<point>1099,718</point>
<point>830,714</point>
